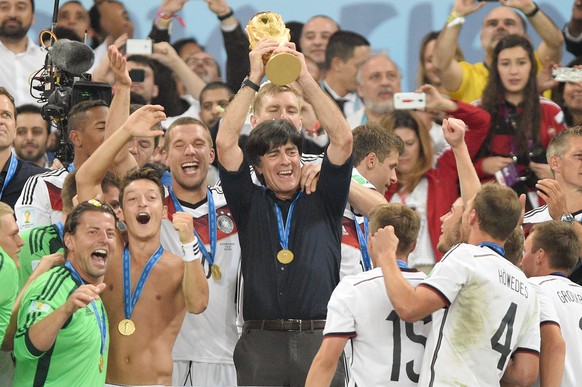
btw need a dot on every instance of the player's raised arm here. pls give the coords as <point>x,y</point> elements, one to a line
<point>229,153</point>
<point>194,285</point>
<point>326,110</point>
<point>92,172</point>
<point>411,304</point>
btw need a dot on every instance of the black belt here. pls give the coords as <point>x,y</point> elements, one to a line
<point>285,325</point>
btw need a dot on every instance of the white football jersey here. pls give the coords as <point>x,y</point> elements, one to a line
<point>492,312</point>
<point>561,303</point>
<point>40,202</point>
<point>386,350</point>
<point>352,261</point>
<point>542,214</point>
<point>210,337</point>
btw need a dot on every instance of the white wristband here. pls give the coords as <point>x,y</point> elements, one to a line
<point>191,251</point>
<point>456,21</point>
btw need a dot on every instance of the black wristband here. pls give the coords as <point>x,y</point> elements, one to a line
<point>226,15</point>
<point>249,83</point>
<point>533,12</point>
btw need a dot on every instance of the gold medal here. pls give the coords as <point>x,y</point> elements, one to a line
<point>285,256</point>
<point>101,363</point>
<point>126,327</point>
<point>216,273</point>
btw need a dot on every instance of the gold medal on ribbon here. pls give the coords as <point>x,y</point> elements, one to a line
<point>216,273</point>
<point>285,256</point>
<point>126,327</point>
<point>101,363</point>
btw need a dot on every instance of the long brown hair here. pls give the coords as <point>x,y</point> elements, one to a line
<point>405,119</point>
<point>527,122</point>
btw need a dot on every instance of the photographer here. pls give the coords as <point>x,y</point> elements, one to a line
<point>522,122</point>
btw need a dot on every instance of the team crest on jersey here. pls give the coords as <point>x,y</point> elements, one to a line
<point>225,223</point>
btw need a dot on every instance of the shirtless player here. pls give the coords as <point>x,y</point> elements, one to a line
<point>142,337</point>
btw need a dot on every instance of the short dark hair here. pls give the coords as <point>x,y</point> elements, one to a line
<point>146,61</point>
<point>78,111</point>
<point>269,135</point>
<point>373,137</point>
<point>342,44</point>
<point>5,92</point>
<point>180,44</point>
<point>185,121</point>
<point>32,109</point>
<point>214,85</point>
<point>559,241</point>
<point>95,205</point>
<point>143,173</point>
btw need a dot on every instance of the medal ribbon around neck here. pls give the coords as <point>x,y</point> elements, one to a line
<point>402,264</point>
<point>495,247</point>
<point>363,242</point>
<point>60,229</point>
<point>285,229</point>
<point>212,233</point>
<point>101,322</point>
<point>129,300</point>
<point>11,172</point>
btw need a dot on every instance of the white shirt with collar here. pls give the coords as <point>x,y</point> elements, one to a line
<point>353,102</point>
<point>16,69</point>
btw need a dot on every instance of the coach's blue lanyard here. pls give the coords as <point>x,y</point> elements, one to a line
<point>129,299</point>
<point>363,242</point>
<point>60,229</point>
<point>285,229</point>
<point>495,247</point>
<point>71,168</point>
<point>101,322</point>
<point>11,171</point>
<point>212,233</point>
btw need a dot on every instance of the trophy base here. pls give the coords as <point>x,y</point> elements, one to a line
<point>283,68</point>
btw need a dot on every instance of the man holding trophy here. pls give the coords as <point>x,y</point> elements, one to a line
<point>290,241</point>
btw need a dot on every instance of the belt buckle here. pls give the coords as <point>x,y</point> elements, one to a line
<point>299,322</point>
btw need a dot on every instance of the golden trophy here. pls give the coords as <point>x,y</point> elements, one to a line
<point>282,68</point>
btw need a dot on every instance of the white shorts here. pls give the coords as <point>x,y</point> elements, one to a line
<point>190,373</point>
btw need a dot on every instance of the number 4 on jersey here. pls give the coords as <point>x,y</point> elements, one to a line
<point>506,324</point>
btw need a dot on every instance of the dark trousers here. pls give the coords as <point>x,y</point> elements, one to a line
<point>279,358</point>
